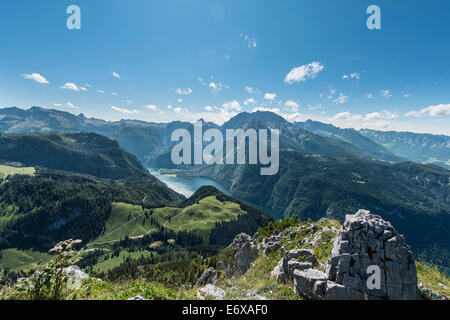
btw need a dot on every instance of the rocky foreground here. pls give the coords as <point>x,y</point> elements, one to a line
<point>369,261</point>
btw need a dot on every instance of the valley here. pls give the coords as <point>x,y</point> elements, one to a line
<point>139,219</point>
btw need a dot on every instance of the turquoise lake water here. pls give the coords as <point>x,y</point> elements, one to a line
<point>188,185</point>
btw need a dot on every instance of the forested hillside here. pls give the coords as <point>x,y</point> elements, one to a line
<point>87,153</point>
<point>414,197</point>
<point>38,211</point>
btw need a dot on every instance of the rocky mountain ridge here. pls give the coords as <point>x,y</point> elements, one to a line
<point>368,260</point>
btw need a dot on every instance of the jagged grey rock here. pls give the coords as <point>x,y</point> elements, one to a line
<point>211,291</point>
<point>307,282</point>
<point>74,273</point>
<point>74,276</point>
<point>209,276</point>
<point>367,240</point>
<point>364,241</point>
<point>271,247</point>
<point>305,255</point>
<point>298,259</point>
<point>277,272</point>
<point>430,294</point>
<point>245,252</point>
<point>270,244</point>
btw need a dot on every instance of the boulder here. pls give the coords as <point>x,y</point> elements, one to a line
<point>75,276</point>
<point>305,255</point>
<point>74,273</point>
<point>298,259</point>
<point>308,282</point>
<point>211,292</point>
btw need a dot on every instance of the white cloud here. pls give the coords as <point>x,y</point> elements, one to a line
<point>252,90</point>
<point>380,115</point>
<point>249,101</point>
<point>264,109</point>
<point>294,117</point>
<point>101,91</point>
<point>123,110</point>
<point>369,96</point>
<point>291,117</point>
<point>330,95</point>
<point>346,116</point>
<point>202,82</point>
<point>382,124</point>
<point>270,96</point>
<point>374,115</point>
<point>35,77</point>
<point>292,105</point>
<point>251,42</point>
<point>83,89</point>
<point>407,95</point>
<point>116,75</point>
<point>304,72</point>
<point>129,101</point>
<point>216,86</point>
<point>413,114</point>
<point>315,107</point>
<point>113,93</point>
<point>183,91</point>
<point>386,93</point>
<point>57,104</point>
<point>70,86</point>
<point>356,76</point>
<point>341,99</point>
<point>440,110</point>
<point>70,105</point>
<point>232,106</point>
<point>372,120</point>
<point>208,108</point>
<point>151,107</point>
<point>181,110</point>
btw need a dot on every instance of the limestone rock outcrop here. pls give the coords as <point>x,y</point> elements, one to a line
<point>244,253</point>
<point>298,259</point>
<point>209,276</point>
<point>370,261</point>
<point>211,292</point>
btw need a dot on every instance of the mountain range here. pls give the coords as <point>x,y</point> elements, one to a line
<point>148,140</point>
<point>325,171</point>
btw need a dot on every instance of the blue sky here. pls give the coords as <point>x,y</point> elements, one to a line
<point>165,60</point>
